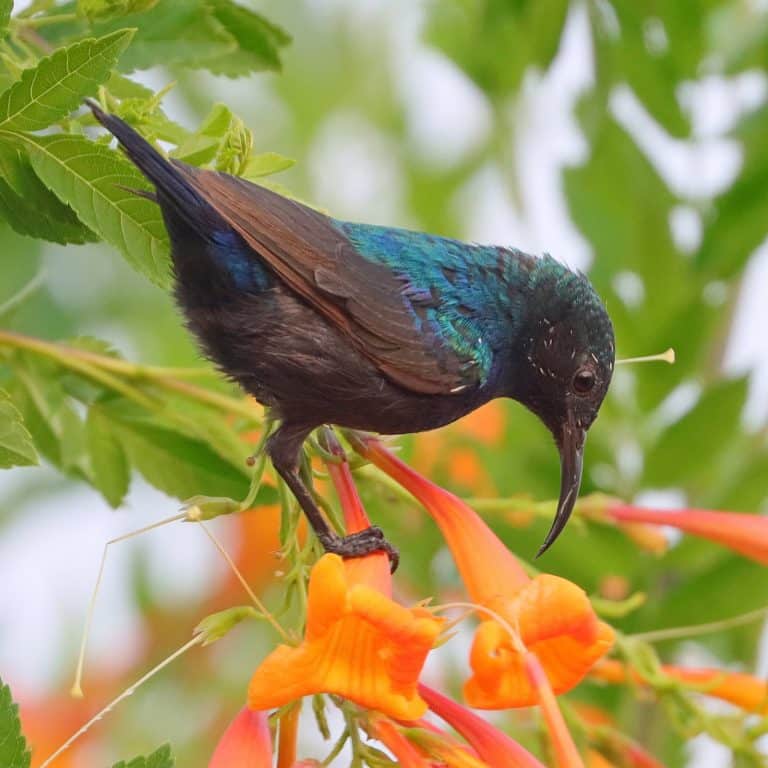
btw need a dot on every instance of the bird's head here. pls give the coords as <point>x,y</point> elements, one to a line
<point>566,352</point>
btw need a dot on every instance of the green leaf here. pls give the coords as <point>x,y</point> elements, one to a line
<point>514,37</point>
<point>203,145</point>
<point>16,447</point>
<point>161,758</point>
<point>221,36</point>
<point>690,448</point>
<point>266,164</point>
<point>123,87</point>
<point>258,41</point>
<point>94,9</point>
<point>179,465</point>
<point>738,220</point>
<point>31,208</point>
<point>58,84</point>
<point>110,471</point>
<point>13,746</point>
<point>95,181</point>
<point>172,32</point>
<point>36,389</point>
<point>6,6</point>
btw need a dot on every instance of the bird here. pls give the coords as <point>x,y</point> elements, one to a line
<point>374,328</point>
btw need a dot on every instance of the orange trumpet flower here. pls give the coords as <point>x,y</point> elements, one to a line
<point>738,688</point>
<point>358,642</point>
<point>550,616</point>
<point>743,532</point>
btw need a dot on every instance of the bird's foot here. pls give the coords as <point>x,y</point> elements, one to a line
<point>361,544</point>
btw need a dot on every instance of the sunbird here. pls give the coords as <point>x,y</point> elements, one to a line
<point>373,328</point>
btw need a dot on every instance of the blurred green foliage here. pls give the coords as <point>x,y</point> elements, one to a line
<point>99,418</point>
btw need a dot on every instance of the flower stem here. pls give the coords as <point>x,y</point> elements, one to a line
<point>677,633</point>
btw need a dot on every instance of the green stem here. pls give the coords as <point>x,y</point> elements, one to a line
<point>67,359</point>
<point>47,21</point>
<point>101,367</point>
<point>677,633</point>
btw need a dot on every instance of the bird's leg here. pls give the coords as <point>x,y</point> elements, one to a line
<point>283,448</point>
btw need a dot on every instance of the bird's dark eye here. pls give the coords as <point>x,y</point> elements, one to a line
<point>584,381</point>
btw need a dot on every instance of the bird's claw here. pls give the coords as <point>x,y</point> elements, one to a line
<point>362,543</point>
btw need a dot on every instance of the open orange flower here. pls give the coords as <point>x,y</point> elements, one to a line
<point>358,642</point>
<point>743,532</point>
<point>246,742</point>
<point>738,688</point>
<point>549,615</point>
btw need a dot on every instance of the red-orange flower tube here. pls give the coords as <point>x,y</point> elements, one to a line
<point>743,532</point>
<point>358,643</point>
<point>390,735</point>
<point>565,750</point>
<point>738,688</point>
<point>246,741</point>
<point>552,616</point>
<point>491,745</point>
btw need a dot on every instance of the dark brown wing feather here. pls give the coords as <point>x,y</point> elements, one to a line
<point>363,299</point>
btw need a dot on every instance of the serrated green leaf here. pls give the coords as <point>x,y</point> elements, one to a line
<point>258,40</point>
<point>176,464</point>
<point>31,208</point>
<point>161,758</point>
<point>188,33</point>
<point>110,471</point>
<point>94,180</point>
<point>13,746</point>
<point>60,82</point>
<point>16,447</point>
<point>173,32</point>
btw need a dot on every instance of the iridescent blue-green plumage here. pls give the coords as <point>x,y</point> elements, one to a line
<point>451,286</point>
<point>373,327</point>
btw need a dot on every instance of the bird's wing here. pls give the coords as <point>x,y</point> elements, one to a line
<point>391,321</point>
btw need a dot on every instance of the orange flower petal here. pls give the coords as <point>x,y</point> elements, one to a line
<point>745,533</point>
<point>552,616</point>
<point>245,742</point>
<point>358,644</point>
<point>555,620</point>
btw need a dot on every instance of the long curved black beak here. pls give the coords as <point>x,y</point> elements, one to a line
<point>571,445</point>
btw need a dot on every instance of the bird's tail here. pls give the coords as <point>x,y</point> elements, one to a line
<point>172,184</point>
